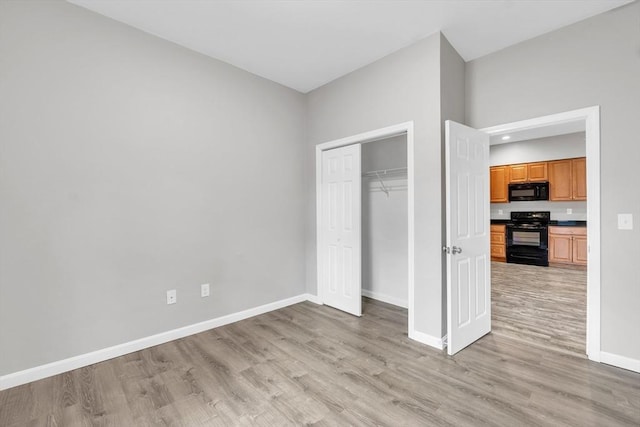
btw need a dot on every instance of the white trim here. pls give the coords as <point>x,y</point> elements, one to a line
<point>591,118</point>
<point>313,298</point>
<point>429,340</point>
<point>620,361</point>
<point>374,135</point>
<point>385,298</point>
<point>75,362</point>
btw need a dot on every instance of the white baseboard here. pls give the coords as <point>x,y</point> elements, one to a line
<point>313,298</point>
<point>428,339</point>
<point>75,362</point>
<point>385,298</point>
<point>620,361</point>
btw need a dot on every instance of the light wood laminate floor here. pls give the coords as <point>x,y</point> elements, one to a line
<point>313,365</point>
<point>541,306</point>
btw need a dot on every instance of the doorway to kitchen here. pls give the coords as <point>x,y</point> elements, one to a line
<point>579,295</point>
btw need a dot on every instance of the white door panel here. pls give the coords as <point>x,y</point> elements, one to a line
<point>341,229</point>
<point>468,236</point>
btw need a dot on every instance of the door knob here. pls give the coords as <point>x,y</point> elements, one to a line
<point>456,250</point>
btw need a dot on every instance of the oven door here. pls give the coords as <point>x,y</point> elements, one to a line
<point>528,244</point>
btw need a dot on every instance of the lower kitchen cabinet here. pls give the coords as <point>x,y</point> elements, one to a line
<point>580,249</point>
<point>498,248</point>
<point>568,245</point>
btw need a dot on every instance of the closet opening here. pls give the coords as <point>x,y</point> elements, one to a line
<point>356,259</point>
<point>384,220</point>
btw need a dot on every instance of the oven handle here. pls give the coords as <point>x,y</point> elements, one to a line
<point>539,228</point>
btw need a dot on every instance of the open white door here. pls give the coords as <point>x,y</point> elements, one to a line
<point>341,229</point>
<point>468,236</point>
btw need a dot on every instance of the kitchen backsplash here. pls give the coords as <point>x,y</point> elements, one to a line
<point>558,209</point>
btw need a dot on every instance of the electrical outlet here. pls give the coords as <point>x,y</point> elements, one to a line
<point>569,211</point>
<point>500,211</point>
<point>204,290</point>
<point>172,296</point>
<point>625,221</point>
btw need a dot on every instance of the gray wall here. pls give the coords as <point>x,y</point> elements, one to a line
<point>388,153</point>
<point>130,166</point>
<point>593,62</point>
<point>452,101</point>
<point>539,150</point>
<point>401,87</point>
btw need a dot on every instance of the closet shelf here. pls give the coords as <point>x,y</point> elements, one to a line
<point>384,173</point>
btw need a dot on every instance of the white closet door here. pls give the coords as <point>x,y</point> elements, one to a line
<point>341,229</point>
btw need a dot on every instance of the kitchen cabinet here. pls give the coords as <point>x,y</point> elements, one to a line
<point>498,240</point>
<point>579,178</point>
<point>528,172</point>
<point>568,245</point>
<point>537,171</point>
<point>580,249</point>
<point>518,173</point>
<point>499,176</point>
<point>568,179</point>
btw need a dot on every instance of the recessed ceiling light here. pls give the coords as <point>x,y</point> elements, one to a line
<point>506,138</point>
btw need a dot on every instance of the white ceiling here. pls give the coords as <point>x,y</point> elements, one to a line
<point>304,44</point>
<point>526,134</point>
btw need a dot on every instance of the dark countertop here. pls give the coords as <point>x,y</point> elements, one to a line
<point>500,221</point>
<point>562,223</point>
<point>568,223</point>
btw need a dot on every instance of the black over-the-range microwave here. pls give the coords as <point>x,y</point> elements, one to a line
<point>525,191</point>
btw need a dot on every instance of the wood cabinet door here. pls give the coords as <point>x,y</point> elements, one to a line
<point>560,249</point>
<point>518,173</point>
<point>537,171</point>
<point>560,184</point>
<point>579,178</point>
<point>580,250</point>
<point>498,253</point>
<point>498,237</point>
<point>499,176</point>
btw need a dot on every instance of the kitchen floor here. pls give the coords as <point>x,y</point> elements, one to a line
<point>541,306</point>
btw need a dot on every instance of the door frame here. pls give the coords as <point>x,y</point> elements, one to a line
<point>591,118</point>
<point>405,128</point>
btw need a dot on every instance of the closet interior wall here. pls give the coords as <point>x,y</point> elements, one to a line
<point>385,220</point>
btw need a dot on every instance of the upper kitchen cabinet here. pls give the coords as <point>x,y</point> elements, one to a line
<point>538,171</point>
<point>499,176</point>
<point>579,178</point>
<point>528,172</point>
<point>568,179</point>
<point>518,173</point>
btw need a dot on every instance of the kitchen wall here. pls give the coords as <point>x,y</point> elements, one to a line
<point>592,62</point>
<point>536,150</point>
<point>131,166</point>
<point>558,209</point>
<point>385,223</point>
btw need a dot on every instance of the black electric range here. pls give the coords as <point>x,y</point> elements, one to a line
<point>528,238</point>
